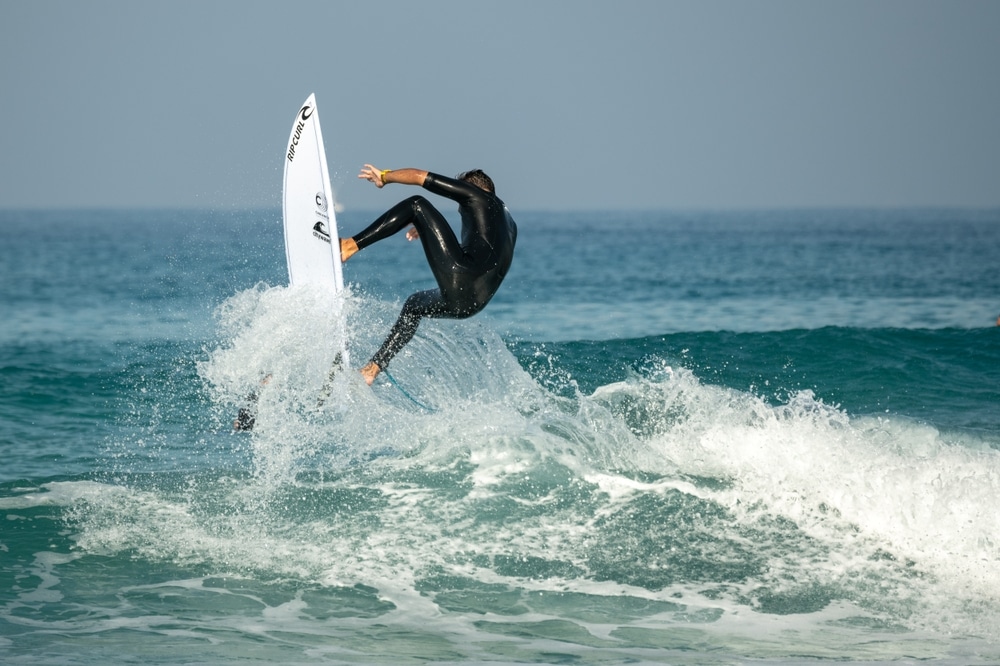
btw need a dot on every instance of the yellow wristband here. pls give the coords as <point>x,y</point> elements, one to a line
<point>382,174</point>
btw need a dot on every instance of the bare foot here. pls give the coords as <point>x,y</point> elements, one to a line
<point>370,372</point>
<point>347,249</point>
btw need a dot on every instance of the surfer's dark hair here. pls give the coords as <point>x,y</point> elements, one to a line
<point>478,178</point>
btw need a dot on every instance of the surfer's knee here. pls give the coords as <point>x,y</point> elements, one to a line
<point>418,204</point>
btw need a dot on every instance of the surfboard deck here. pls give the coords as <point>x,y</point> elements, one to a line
<point>312,242</point>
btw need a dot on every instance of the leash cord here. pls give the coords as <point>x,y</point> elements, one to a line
<point>404,392</point>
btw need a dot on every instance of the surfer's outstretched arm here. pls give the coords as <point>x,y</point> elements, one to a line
<point>383,177</point>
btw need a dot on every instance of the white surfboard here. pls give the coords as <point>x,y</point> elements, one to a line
<point>312,244</point>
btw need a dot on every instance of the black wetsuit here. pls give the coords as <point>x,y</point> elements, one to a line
<point>467,273</point>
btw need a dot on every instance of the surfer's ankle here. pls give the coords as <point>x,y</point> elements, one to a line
<point>348,248</point>
<point>370,372</point>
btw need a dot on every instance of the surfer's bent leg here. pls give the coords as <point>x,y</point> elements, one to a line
<point>419,305</point>
<point>436,235</point>
<point>431,303</point>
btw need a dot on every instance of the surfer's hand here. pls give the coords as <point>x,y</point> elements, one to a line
<point>412,234</point>
<point>370,173</point>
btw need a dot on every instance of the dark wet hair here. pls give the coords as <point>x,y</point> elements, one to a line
<point>478,178</point>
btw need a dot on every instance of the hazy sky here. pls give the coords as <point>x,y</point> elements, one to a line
<point>568,104</point>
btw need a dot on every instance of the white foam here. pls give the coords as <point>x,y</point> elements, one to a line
<point>481,475</point>
<point>886,485</point>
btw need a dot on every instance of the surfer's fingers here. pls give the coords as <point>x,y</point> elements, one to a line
<point>372,174</point>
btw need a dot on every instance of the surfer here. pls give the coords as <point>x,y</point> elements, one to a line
<point>468,273</point>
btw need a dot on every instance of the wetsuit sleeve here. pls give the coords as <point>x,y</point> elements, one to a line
<point>456,190</point>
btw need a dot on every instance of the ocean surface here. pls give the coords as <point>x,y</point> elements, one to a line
<point>673,437</point>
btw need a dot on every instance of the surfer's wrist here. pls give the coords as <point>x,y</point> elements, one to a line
<point>383,173</point>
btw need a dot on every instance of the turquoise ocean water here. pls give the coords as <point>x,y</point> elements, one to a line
<point>681,438</point>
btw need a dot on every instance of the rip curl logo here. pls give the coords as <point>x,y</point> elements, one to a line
<point>304,114</point>
<point>321,204</point>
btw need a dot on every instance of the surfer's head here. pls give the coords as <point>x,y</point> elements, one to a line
<point>478,178</point>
